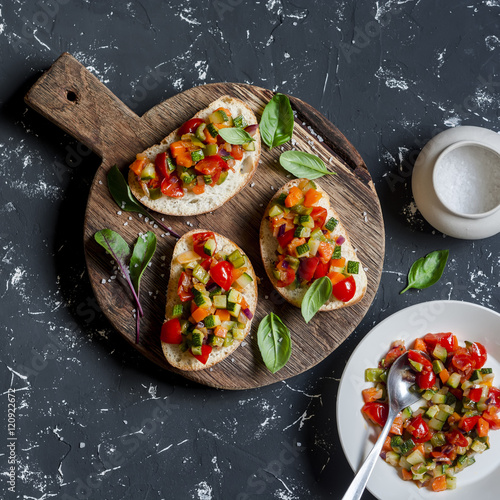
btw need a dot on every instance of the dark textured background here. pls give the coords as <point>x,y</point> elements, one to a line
<point>94,418</point>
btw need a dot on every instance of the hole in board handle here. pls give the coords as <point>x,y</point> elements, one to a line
<point>71,96</point>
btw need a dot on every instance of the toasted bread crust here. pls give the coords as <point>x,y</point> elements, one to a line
<point>186,361</point>
<point>213,197</point>
<point>268,246</point>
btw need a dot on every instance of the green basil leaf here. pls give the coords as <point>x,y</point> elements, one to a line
<point>120,191</point>
<point>427,270</point>
<point>274,341</point>
<point>317,294</point>
<point>276,124</point>
<point>144,250</point>
<point>234,135</point>
<point>303,164</point>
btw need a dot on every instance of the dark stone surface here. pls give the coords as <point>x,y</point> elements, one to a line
<point>95,419</point>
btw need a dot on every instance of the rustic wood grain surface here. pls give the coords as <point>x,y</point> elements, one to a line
<point>80,104</point>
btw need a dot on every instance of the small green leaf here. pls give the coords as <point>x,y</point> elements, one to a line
<point>303,164</point>
<point>234,135</point>
<point>120,191</point>
<point>274,341</point>
<point>427,270</point>
<point>317,294</point>
<point>276,124</point>
<point>144,250</point>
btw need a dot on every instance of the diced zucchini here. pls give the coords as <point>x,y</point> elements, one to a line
<point>293,262</point>
<point>418,366</point>
<point>451,483</point>
<point>442,416</point>
<point>236,259</point>
<point>396,443</point>
<point>155,193</point>
<point>187,178</point>
<point>213,130</point>
<point>207,179</point>
<point>392,458</point>
<point>313,246</point>
<point>249,146</point>
<point>228,339</point>
<point>234,296</point>
<point>450,399</point>
<point>486,371</point>
<point>352,267</point>
<point>200,274</point>
<point>308,185</point>
<point>432,411</point>
<point>215,341</point>
<point>317,234</point>
<point>148,172</point>
<point>438,398</point>
<point>203,301</point>
<point>436,424</point>
<point>337,252</point>
<point>275,210</point>
<point>302,232</point>
<point>200,132</point>
<point>177,311</point>
<point>440,353</point>
<point>216,291</point>
<point>244,280</point>
<point>197,338</point>
<point>478,447</point>
<point>170,164</point>
<point>468,404</point>
<point>306,221</point>
<point>209,247</point>
<point>238,334</point>
<point>280,200</point>
<point>407,412</point>
<point>438,439</point>
<point>223,177</point>
<point>302,250</point>
<point>220,301</point>
<point>466,385</point>
<point>240,122</point>
<point>184,326</point>
<point>187,257</point>
<point>407,446</point>
<point>454,380</point>
<point>427,395</point>
<point>415,458</point>
<point>210,150</point>
<point>301,209</point>
<point>196,350</point>
<point>373,374</point>
<point>234,309</point>
<point>437,366</point>
<point>331,224</point>
<point>212,321</point>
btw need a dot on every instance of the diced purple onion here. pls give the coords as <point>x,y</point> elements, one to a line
<point>285,264</point>
<point>247,313</point>
<point>383,454</point>
<point>212,287</point>
<point>324,231</point>
<point>200,325</point>
<point>251,129</point>
<point>281,230</point>
<point>223,152</point>
<point>340,240</point>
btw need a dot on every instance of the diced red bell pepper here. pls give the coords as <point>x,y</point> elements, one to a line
<point>161,165</point>
<point>190,126</point>
<point>455,437</point>
<point>376,412</point>
<point>468,423</point>
<point>446,340</point>
<point>205,353</point>
<point>171,332</point>
<point>172,187</point>
<point>286,238</point>
<point>199,240</point>
<point>475,394</point>
<point>318,215</point>
<point>307,268</point>
<point>321,270</point>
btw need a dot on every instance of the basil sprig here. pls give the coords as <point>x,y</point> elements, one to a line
<point>304,165</point>
<point>317,294</point>
<point>427,270</point>
<point>276,124</point>
<point>274,341</point>
<point>235,135</point>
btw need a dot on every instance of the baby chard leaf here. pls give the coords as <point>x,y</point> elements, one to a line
<point>274,341</point>
<point>427,270</point>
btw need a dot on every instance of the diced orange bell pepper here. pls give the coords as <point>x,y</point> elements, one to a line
<point>387,444</point>
<point>184,160</point>
<point>193,306</point>
<point>444,375</point>
<point>199,188</point>
<point>236,273</point>
<point>325,252</point>
<point>439,483</point>
<point>335,277</point>
<point>407,474</point>
<point>138,166</point>
<point>296,242</point>
<point>482,427</point>
<point>312,197</point>
<point>177,148</point>
<point>420,345</point>
<point>397,425</point>
<point>223,314</point>
<point>200,314</point>
<point>294,197</point>
<point>220,331</point>
<point>227,111</point>
<point>371,394</point>
<point>337,262</point>
<point>209,139</point>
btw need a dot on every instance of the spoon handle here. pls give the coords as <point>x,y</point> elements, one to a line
<point>358,484</point>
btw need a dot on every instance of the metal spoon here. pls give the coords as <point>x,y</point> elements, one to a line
<point>399,381</point>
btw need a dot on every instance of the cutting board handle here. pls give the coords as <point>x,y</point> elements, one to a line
<point>76,101</point>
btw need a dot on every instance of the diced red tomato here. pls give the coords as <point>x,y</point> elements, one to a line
<point>457,438</point>
<point>344,290</point>
<point>468,423</point>
<point>206,263</point>
<point>190,126</point>
<point>376,412</point>
<point>478,353</point>
<point>482,427</point>
<point>321,270</point>
<point>419,358</point>
<point>307,268</point>
<point>492,416</point>
<point>172,187</point>
<point>371,394</point>
<point>286,238</point>
<point>447,340</point>
<point>171,332</point>
<point>199,240</point>
<point>397,425</point>
<point>426,379</point>
<point>475,394</point>
<point>440,457</point>
<point>205,353</point>
<point>319,216</point>
<point>222,274</point>
<point>237,152</point>
<point>210,165</point>
<point>161,165</point>
<point>184,287</point>
<point>392,355</point>
<point>417,427</point>
<point>439,483</point>
<point>287,277</point>
<point>494,396</point>
<point>463,362</point>
<point>325,252</point>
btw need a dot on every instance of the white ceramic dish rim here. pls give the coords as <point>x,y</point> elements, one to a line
<point>438,165</point>
<point>414,321</point>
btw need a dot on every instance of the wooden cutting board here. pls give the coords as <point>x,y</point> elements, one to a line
<point>74,99</point>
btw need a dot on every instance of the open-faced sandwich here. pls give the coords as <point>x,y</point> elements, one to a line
<point>211,300</point>
<point>302,239</point>
<point>194,170</point>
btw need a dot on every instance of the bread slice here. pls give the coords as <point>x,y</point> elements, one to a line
<point>185,360</point>
<point>213,197</point>
<point>269,244</point>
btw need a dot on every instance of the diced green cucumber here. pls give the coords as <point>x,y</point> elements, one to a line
<point>209,247</point>
<point>193,139</point>
<point>210,150</point>
<point>478,447</point>
<point>197,155</point>
<point>293,262</point>
<point>432,411</point>
<point>337,252</point>
<point>416,365</point>
<point>438,439</point>
<point>244,280</point>
<point>313,246</point>
<point>436,424</point>
<point>396,443</point>
<point>450,399</point>
<point>185,325</point>
<point>454,380</point>
<point>352,267</point>
<point>155,193</point>
<point>280,200</point>
<point>486,371</point>
<point>213,130</point>
<point>302,250</point>
<point>249,146</point>
<point>331,224</point>
<point>212,321</point>
<point>234,296</point>
<point>234,309</point>
<point>437,366</point>
<point>229,325</point>
<point>222,116</point>
<point>177,311</point>
<point>220,301</point>
<point>407,412</point>
<point>197,338</point>
<point>200,132</point>
<point>203,301</point>
<point>440,353</point>
<point>306,221</point>
<point>207,179</point>
<point>228,339</point>
<point>407,446</point>
<point>301,209</point>
<point>238,334</point>
<point>442,415</point>
<point>438,398</point>
<point>215,341</point>
<point>148,172</point>
<point>468,404</point>
<point>275,210</point>
<point>317,234</point>
<point>236,259</point>
<point>196,350</point>
<point>223,177</point>
<point>451,483</point>
<point>200,274</point>
<point>427,395</point>
<point>310,185</point>
<point>416,458</point>
<point>373,374</point>
<point>240,122</point>
<point>216,291</point>
<point>302,232</point>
